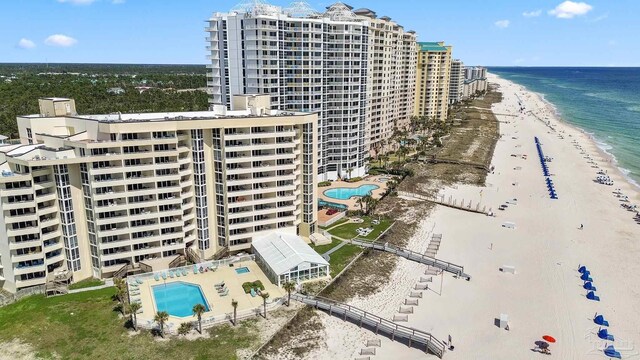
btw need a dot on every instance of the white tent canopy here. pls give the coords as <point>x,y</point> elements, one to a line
<point>286,257</point>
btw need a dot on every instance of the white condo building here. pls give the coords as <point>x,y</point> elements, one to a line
<point>97,195</point>
<point>357,72</point>
<point>456,81</point>
<point>391,78</point>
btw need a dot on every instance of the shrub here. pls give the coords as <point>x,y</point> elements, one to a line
<point>331,211</point>
<point>184,328</point>
<point>252,285</point>
<point>355,179</point>
<point>324,183</point>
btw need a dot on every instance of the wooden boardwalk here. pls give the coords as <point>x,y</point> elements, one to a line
<point>445,203</point>
<point>411,337</point>
<point>413,256</point>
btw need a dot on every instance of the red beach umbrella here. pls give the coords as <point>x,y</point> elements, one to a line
<point>549,338</point>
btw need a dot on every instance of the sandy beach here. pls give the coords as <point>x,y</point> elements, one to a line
<point>545,296</point>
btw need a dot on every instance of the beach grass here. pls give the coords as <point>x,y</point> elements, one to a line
<point>86,283</point>
<point>84,325</point>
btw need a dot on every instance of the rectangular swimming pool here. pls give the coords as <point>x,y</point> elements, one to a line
<point>178,298</point>
<point>242,270</point>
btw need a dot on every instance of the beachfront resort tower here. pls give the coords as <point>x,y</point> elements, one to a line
<point>432,80</point>
<point>306,61</point>
<point>105,195</point>
<point>456,81</point>
<point>391,76</point>
<point>355,70</point>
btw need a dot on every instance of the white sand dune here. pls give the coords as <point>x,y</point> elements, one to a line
<point>545,296</point>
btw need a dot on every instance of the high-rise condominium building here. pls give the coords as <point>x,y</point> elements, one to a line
<point>96,194</point>
<point>391,77</point>
<point>432,80</point>
<point>456,81</point>
<point>318,62</point>
<point>475,72</point>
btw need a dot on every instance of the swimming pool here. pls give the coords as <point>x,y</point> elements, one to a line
<point>242,270</point>
<point>177,298</point>
<point>346,193</point>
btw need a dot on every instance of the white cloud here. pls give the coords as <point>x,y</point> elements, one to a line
<point>77,2</point>
<point>60,40</point>
<point>532,13</point>
<point>570,9</point>
<point>502,24</point>
<point>26,44</point>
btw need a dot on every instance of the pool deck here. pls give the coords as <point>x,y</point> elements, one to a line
<point>218,305</point>
<point>351,202</point>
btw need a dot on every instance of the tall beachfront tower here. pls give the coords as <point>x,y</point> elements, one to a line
<point>456,81</point>
<point>101,195</point>
<point>432,80</point>
<point>391,78</point>
<point>306,61</point>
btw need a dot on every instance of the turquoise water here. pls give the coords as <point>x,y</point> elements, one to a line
<point>605,102</point>
<point>178,298</point>
<point>242,270</point>
<point>331,204</point>
<point>346,193</point>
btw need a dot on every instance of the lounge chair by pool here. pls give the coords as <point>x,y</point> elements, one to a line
<point>253,292</point>
<point>156,276</point>
<point>164,275</point>
<point>225,292</point>
<point>195,268</point>
<point>178,274</point>
<point>184,272</point>
<point>171,274</point>
<point>139,281</point>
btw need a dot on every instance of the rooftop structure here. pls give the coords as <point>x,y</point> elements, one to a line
<point>286,257</point>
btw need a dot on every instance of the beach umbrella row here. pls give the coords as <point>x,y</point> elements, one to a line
<point>545,170</point>
<point>598,319</point>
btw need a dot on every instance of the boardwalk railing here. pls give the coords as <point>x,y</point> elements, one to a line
<point>413,337</point>
<point>414,256</point>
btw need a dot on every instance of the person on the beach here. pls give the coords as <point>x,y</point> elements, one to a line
<point>581,226</point>
<point>450,342</point>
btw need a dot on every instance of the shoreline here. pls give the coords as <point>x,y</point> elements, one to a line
<point>544,294</point>
<point>602,145</point>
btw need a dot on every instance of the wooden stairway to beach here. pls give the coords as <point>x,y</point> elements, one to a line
<point>408,335</point>
<point>413,256</point>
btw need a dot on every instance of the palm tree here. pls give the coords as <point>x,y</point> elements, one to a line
<point>372,204</point>
<point>359,202</point>
<point>133,309</point>
<point>366,200</point>
<point>349,171</point>
<point>265,296</point>
<point>289,286</point>
<point>161,318</point>
<point>198,310</point>
<point>234,303</point>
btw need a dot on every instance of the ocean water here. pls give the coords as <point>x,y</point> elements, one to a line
<point>605,102</point>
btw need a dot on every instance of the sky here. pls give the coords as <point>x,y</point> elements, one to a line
<point>487,32</point>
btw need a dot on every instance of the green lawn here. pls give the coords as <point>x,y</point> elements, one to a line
<point>348,231</point>
<point>91,282</point>
<point>84,326</point>
<point>339,259</point>
<point>341,221</point>
<point>321,249</point>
